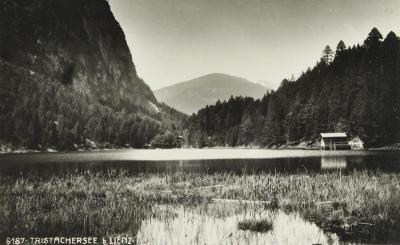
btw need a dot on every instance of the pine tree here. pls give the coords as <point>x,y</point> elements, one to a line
<point>327,55</point>
<point>246,130</point>
<point>374,37</point>
<point>340,48</point>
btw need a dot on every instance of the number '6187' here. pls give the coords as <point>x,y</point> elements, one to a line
<point>15,240</point>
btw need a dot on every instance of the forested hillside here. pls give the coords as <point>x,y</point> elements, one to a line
<point>67,79</point>
<point>353,89</point>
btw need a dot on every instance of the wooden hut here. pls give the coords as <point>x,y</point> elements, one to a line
<point>334,141</point>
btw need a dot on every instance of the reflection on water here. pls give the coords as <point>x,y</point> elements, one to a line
<point>217,224</point>
<point>297,161</point>
<point>333,162</point>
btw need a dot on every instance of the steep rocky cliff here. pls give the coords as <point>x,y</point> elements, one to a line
<point>77,43</point>
<point>67,75</point>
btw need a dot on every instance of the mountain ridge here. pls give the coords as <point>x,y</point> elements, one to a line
<point>191,95</point>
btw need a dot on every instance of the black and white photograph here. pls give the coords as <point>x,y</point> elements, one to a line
<point>199,122</point>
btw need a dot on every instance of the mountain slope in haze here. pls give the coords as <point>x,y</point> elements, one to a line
<point>67,75</point>
<point>190,96</point>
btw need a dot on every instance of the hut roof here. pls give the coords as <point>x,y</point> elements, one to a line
<point>333,135</point>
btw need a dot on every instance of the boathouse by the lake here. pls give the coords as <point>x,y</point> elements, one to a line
<point>334,141</point>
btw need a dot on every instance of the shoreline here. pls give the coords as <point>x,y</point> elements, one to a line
<point>23,150</point>
<point>181,154</point>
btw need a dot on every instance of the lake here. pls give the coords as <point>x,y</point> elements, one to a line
<point>199,160</point>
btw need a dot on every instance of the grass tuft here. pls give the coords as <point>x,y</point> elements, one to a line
<point>263,225</point>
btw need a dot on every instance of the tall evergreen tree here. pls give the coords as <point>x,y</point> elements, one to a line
<point>340,48</point>
<point>374,37</point>
<point>327,55</point>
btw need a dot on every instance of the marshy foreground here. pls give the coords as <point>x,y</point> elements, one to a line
<point>199,208</point>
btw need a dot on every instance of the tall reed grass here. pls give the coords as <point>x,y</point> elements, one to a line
<point>358,206</point>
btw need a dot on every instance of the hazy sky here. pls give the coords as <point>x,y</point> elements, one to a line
<point>261,40</point>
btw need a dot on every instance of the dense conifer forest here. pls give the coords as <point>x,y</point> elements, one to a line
<point>352,89</point>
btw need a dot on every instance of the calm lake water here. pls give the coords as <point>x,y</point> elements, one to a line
<point>200,160</point>
<point>217,224</point>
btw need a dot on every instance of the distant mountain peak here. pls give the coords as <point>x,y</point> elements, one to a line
<point>191,95</point>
